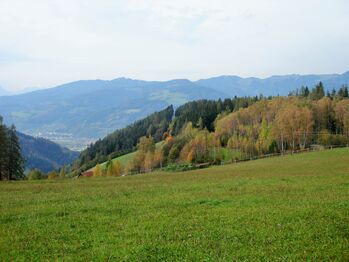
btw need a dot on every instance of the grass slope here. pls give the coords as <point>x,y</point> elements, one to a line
<point>285,208</point>
<point>228,155</point>
<point>124,159</point>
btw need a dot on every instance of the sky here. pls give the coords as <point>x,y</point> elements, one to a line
<point>44,43</point>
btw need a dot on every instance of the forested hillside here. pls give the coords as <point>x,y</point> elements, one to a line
<point>125,140</point>
<point>202,132</point>
<point>203,113</point>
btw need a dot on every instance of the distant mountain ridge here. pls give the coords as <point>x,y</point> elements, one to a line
<point>4,92</point>
<point>274,85</point>
<point>90,109</point>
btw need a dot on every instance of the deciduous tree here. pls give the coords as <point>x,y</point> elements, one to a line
<point>97,171</point>
<point>62,172</point>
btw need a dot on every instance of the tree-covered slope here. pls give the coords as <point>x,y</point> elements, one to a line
<point>203,113</point>
<point>124,140</point>
<point>248,128</point>
<point>44,154</point>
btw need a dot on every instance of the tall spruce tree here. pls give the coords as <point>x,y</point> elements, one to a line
<point>3,150</point>
<point>318,92</point>
<point>15,160</point>
<point>343,92</point>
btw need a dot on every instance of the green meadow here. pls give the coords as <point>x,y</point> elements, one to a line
<point>290,208</point>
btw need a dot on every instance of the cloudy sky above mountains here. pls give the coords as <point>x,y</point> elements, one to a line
<point>47,42</point>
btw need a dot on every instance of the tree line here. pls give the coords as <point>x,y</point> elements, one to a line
<point>199,130</point>
<point>202,112</point>
<point>207,131</point>
<point>11,160</point>
<point>37,174</point>
<point>267,126</point>
<point>318,92</point>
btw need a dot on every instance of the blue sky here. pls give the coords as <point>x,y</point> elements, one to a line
<point>48,42</point>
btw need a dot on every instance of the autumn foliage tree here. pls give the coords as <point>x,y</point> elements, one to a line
<point>62,172</point>
<point>292,126</point>
<point>342,117</point>
<point>52,175</point>
<point>144,158</point>
<point>97,171</point>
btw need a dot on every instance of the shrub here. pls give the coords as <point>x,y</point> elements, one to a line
<point>179,167</point>
<point>327,139</point>
<point>34,174</point>
<point>52,175</point>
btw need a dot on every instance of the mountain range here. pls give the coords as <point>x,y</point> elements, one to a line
<point>77,113</point>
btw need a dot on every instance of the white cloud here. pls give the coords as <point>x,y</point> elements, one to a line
<point>65,40</point>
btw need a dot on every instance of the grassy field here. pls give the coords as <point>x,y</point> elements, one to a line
<point>284,208</point>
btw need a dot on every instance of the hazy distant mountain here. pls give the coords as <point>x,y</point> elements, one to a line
<point>4,92</point>
<point>44,154</point>
<point>92,109</point>
<point>272,85</point>
<point>86,110</point>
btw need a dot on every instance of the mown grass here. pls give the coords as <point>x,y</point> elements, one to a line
<point>285,208</point>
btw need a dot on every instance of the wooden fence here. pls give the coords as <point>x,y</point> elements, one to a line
<point>305,150</point>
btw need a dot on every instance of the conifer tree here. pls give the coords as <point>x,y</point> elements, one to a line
<point>15,159</point>
<point>343,92</point>
<point>3,149</point>
<point>333,93</point>
<point>318,92</point>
